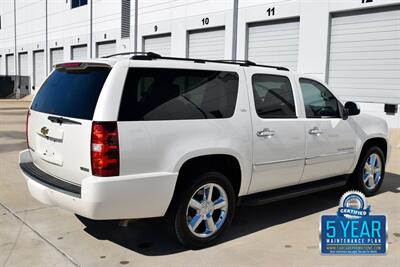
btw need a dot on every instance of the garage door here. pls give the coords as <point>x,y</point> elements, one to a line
<point>160,44</point>
<point>79,52</point>
<point>364,57</point>
<point>23,64</point>
<point>1,65</point>
<point>106,49</point>
<point>38,68</point>
<point>207,44</point>
<point>10,63</point>
<point>274,43</point>
<point>56,56</point>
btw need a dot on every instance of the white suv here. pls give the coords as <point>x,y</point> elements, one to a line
<point>146,136</point>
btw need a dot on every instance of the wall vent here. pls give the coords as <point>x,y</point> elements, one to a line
<point>125,18</point>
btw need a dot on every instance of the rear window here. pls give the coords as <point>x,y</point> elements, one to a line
<point>177,94</point>
<point>71,93</point>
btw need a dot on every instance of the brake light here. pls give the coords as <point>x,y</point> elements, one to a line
<point>28,114</point>
<point>71,65</point>
<point>105,149</point>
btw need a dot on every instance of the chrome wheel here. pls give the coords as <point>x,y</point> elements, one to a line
<point>372,171</point>
<point>207,210</point>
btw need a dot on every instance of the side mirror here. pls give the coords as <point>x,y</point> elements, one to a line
<point>351,109</point>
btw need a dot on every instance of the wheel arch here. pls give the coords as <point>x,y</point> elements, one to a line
<point>374,140</point>
<point>356,180</point>
<point>209,162</point>
<point>378,141</point>
<point>226,163</point>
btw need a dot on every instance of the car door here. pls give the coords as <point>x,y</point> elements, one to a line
<point>278,135</point>
<point>331,141</point>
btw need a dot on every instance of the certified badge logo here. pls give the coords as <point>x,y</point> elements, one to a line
<point>353,230</point>
<point>353,205</point>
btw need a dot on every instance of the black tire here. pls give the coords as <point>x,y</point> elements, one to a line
<point>356,180</point>
<point>177,213</point>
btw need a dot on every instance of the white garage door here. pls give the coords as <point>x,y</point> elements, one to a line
<point>38,68</point>
<point>274,43</point>
<point>364,57</point>
<point>106,49</point>
<point>160,44</point>
<point>23,64</point>
<point>10,63</point>
<point>56,56</point>
<point>79,52</point>
<point>207,44</point>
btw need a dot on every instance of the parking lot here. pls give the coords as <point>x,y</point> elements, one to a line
<point>285,233</point>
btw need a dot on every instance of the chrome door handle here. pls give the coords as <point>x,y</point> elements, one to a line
<point>315,131</point>
<point>266,133</point>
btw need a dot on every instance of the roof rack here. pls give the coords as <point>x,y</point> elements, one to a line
<point>136,55</point>
<point>273,67</point>
<point>250,63</point>
<point>239,62</point>
<point>151,56</point>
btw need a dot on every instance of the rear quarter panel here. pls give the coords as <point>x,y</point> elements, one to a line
<point>107,107</point>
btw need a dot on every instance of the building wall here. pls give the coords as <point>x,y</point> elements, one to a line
<point>68,27</point>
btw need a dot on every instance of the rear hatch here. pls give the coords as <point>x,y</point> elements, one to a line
<point>60,120</point>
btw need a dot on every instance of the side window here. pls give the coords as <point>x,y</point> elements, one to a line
<point>318,100</point>
<point>273,96</point>
<point>178,94</point>
<point>78,3</point>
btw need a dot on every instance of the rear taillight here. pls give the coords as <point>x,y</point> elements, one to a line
<point>105,149</point>
<point>28,114</point>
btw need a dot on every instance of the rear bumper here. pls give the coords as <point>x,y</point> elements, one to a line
<point>104,198</point>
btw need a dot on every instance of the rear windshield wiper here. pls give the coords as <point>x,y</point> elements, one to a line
<point>62,120</point>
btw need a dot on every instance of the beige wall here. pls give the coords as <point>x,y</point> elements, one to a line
<point>393,165</point>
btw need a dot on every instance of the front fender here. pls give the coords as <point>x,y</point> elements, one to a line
<point>368,127</point>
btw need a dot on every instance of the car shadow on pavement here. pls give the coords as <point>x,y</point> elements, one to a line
<point>151,237</point>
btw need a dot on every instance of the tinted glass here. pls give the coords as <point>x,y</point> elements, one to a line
<point>273,96</point>
<point>71,93</point>
<point>78,3</point>
<point>176,94</point>
<point>318,101</point>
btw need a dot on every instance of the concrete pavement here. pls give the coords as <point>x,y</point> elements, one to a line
<point>280,234</point>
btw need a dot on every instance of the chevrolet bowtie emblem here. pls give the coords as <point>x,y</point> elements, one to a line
<point>44,130</point>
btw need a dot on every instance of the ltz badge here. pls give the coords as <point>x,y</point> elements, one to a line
<point>353,230</point>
